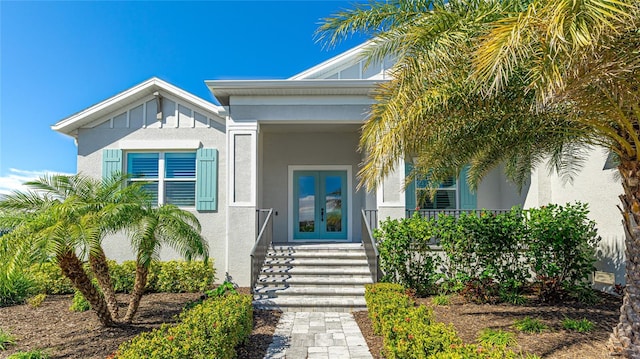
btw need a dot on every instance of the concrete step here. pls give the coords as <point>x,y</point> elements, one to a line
<point>313,280</point>
<point>323,261</point>
<point>312,303</point>
<point>271,292</point>
<point>315,270</point>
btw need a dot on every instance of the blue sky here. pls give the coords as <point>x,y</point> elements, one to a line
<point>60,57</point>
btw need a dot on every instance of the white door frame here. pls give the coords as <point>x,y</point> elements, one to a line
<point>293,168</point>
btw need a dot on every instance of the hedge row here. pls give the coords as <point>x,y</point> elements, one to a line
<point>211,329</point>
<point>410,332</point>
<point>170,276</point>
<point>493,257</point>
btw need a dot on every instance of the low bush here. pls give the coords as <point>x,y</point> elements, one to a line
<point>211,329</point>
<point>32,354</point>
<point>178,276</point>
<point>123,275</point>
<point>496,338</point>
<point>79,303</point>
<point>50,280</point>
<point>530,325</point>
<point>6,339</point>
<point>441,299</point>
<point>581,326</point>
<point>15,287</point>
<point>410,331</point>
<point>406,256</point>
<point>36,300</point>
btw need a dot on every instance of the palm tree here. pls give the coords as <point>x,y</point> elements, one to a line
<point>158,226</point>
<point>50,226</point>
<point>117,206</point>
<point>513,82</point>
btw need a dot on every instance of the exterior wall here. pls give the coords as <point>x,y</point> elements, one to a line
<point>597,187</point>
<point>495,192</point>
<point>317,147</point>
<point>188,126</point>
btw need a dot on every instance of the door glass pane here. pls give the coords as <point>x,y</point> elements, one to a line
<point>306,203</point>
<point>333,203</point>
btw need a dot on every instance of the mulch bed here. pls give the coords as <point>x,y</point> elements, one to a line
<point>66,334</point>
<point>469,319</point>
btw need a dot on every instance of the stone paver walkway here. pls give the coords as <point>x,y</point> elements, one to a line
<point>318,335</point>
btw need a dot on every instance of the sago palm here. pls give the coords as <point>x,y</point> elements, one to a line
<point>513,82</point>
<point>166,225</point>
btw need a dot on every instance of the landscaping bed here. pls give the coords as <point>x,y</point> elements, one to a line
<point>469,319</point>
<point>79,335</point>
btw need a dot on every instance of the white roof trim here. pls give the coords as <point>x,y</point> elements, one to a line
<point>223,89</point>
<point>351,56</point>
<point>70,124</point>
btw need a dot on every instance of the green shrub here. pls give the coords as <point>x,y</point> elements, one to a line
<point>529,325</point>
<point>383,300</point>
<point>211,329</point>
<point>79,303</point>
<point>496,338</point>
<point>406,256</point>
<point>123,275</point>
<point>485,249</point>
<point>36,300</point>
<point>581,326</point>
<point>15,287</point>
<point>473,351</point>
<point>50,280</point>
<point>179,276</point>
<point>6,339</point>
<point>32,354</point>
<point>562,248</point>
<point>441,299</point>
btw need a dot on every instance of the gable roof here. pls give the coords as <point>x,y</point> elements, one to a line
<point>69,125</point>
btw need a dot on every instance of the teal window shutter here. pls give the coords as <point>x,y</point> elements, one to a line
<point>207,179</point>
<point>468,199</point>
<point>111,162</point>
<point>410,190</point>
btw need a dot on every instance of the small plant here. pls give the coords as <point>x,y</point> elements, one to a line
<point>441,299</point>
<point>6,339</point>
<point>33,354</point>
<point>512,298</point>
<point>581,326</point>
<point>496,338</point>
<point>529,325</point>
<point>36,300</point>
<point>222,289</point>
<point>80,304</point>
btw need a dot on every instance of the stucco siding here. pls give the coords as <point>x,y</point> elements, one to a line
<point>282,149</point>
<point>91,142</point>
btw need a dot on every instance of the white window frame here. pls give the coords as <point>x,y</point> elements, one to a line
<point>455,188</point>
<point>161,180</point>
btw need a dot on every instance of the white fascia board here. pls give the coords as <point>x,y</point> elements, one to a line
<point>223,89</point>
<point>350,56</point>
<point>159,145</point>
<point>70,124</point>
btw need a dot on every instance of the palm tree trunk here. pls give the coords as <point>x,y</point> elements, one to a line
<point>100,269</point>
<point>625,339</point>
<point>71,267</point>
<point>138,291</point>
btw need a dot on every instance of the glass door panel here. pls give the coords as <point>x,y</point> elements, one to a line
<point>319,200</point>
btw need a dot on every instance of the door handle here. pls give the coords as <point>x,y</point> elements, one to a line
<point>321,214</point>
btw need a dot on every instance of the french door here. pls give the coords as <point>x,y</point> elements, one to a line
<point>320,205</point>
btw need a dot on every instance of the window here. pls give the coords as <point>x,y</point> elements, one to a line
<point>170,176</point>
<point>445,196</point>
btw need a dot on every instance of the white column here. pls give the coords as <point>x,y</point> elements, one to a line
<point>390,195</point>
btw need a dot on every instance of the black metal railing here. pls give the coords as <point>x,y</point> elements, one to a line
<point>370,247</point>
<point>263,242</point>
<point>435,213</point>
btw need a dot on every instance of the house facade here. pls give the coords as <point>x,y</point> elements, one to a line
<point>290,145</point>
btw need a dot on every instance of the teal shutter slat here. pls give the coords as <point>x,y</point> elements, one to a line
<point>111,162</point>
<point>468,199</point>
<point>207,179</point>
<point>410,190</point>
